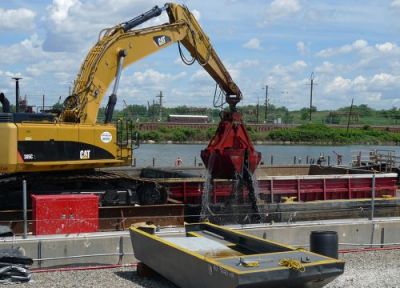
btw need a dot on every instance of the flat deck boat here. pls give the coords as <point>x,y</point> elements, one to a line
<point>213,256</point>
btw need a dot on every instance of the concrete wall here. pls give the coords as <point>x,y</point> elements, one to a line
<point>116,248</point>
<point>349,231</point>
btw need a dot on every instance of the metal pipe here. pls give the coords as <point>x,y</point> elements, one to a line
<point>17,93</point>
<point>25,207</point>
<point>67,269</point>
<point>82,256</point>
<point>373,197</point>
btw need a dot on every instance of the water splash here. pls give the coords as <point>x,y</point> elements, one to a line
<point>207,190</point>
<point>258,209</point>
<point>231,211</point>
<point>254,183</point>
<point>205,197</point>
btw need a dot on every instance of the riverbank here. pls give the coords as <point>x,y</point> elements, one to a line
<point>319,133</point>
<point>269,142</point>
<point>309,134</point>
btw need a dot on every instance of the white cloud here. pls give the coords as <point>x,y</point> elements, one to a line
<point>371,57</point>
<point>355,46</point>
<point>154,76</point>
<point>60,65</point>
<point>366,90</point>
<point>73,25</point>
<point>339,84</point>
<point>196,14</point>
<point>360,83</point>
<point>200,74</point>
<point>387,47</point>
<point>247,63</point>
<point>17,19</point>
<point>381,82</point>
<point>298,65</point>
<point>288,70</point>
<point>279,9</point>
<point>326,68</point>
<point>234,72</point>
<point>385,80</point>
<point>395,4</point>
<point>253,43</point>
<point>58,11</point>
<point>374,96</point>
<point>27,51</point>
<point>302,48</point>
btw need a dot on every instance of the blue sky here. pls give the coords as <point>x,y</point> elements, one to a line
<point>351,46</point>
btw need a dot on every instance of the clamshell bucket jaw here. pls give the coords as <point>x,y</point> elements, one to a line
<point>230,150</point>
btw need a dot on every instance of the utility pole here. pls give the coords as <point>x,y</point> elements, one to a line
<point>266,104</point>
<point>43,103</point>
<point>350,112</point>
<point>153,111</point>
<point>17,93</point>
<point>311,92</point>
<point>160,96</point>
<point>257,107</point>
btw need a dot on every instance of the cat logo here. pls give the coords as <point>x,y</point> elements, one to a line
<point>161,40</point>
<point>84,154</point>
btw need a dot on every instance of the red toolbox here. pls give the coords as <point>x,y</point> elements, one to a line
<point>64,214</point>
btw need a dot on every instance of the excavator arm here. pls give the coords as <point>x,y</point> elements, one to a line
<point>120,46</point>
<point>230,153</point>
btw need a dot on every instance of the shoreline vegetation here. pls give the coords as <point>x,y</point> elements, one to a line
<point>317,134</point>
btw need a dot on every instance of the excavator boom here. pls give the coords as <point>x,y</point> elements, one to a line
<point>122,45</point>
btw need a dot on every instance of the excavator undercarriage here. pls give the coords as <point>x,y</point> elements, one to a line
<point>113,188</point>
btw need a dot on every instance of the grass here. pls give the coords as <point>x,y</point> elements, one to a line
<point>307,133</point>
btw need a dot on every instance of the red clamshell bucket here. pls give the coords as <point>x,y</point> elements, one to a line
<point>230,149</point>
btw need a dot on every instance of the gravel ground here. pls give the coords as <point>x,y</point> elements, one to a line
<point>375,269</point>
<point>368,269</point>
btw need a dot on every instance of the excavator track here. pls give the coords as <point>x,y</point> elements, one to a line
<point>113,188</point>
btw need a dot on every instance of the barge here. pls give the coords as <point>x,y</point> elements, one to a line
<point>286,193</point>
<point>216,257</point>
<point>276,184</point>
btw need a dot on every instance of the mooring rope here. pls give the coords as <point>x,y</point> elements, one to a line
<point>292,264</point>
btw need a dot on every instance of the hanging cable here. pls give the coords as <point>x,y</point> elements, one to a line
<point>192,33</point>
<point>183,57</point>
<point>188,16</point>
<point>218,100</point>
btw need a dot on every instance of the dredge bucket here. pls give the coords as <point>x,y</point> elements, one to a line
<point>230,150</point>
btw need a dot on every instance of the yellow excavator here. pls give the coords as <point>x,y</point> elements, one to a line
<point>56,153</point>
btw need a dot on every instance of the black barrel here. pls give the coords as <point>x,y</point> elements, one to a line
<point>325,243</point>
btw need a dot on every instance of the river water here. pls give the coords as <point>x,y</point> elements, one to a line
<point>164,155</point>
